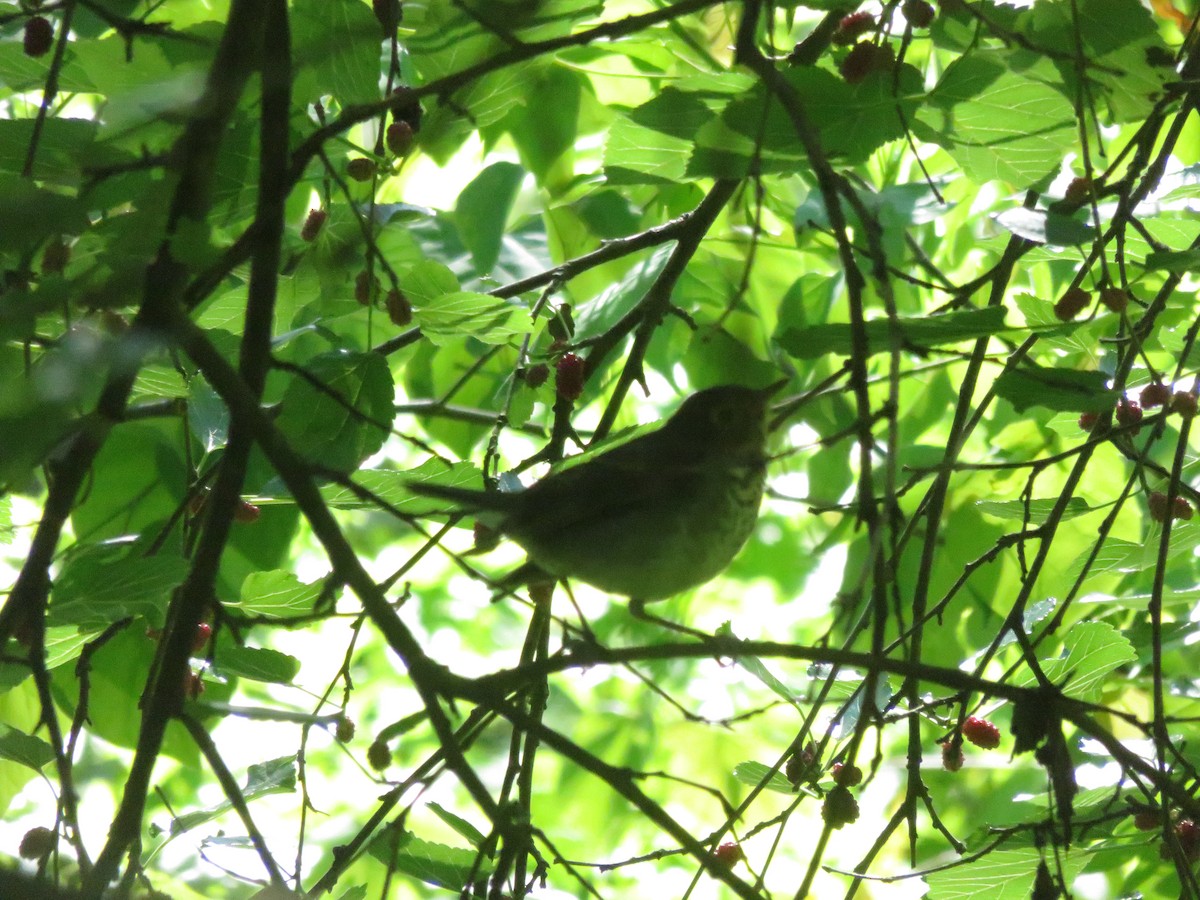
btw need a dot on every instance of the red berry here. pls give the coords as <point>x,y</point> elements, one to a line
<point>730,853</point>
<point>1189,838</point>
<point>801,766</point>
<point>55,257</point>
<point>851,27</point>
<point>847,775</point>
<point>863,59</point>
<point>345,730</point>
<point>1157,501</point>
<point>1147,820</point>
<point>1088,420</point>
<point>535,376</point>
<point>1073,301</point>
<point>952,756</point>
<point>38,37</point>
<point>568,376</point>
<point>840,808</point>
<point>202,636</point>
<point>1079,190</point>
<point>1155,394</point>
<point>399,308</point>
<point>919,13</point>
<point>246,512</point>
<point>1116,299</point>
<point>1128,412</point>
<point>366,286</point>
<point>37,843</point>
<point>1183,509</point>
<point>399,138</point>
<point>312,224</point>
<point>981,733</point>
<point>1184,403</point>
<point>361,168</point>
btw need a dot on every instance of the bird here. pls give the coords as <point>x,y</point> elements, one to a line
<point>652,517</point>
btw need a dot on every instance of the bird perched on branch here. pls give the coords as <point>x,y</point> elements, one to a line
<point>649,518</point>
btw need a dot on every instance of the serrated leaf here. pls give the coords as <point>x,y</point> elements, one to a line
<point>106,582</point>
<point>756,773</point>
<point>278,594</point>
<point>999,875</point>
<point>436,864</point>
<point>257,664</point>
<point>1091,652</point>
<point>276,776</point>
<point>816,341</point>
<point>1064,390</point>
<point>391,486</point>
<point>493,320</point>
<point>25,749</point>
<point>1036,510</point>
<point>1044,227</point>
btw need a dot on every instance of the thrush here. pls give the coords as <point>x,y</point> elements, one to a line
<point>649,518</point>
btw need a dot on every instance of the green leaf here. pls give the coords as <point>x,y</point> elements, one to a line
<point>1091,652</point>
<point>1043,227</point>
<point>999,875</point>
<point>32,214</point>
<point>1036,510</point>
<point>336,51</point>
<point>348,418</point>
<point>276,776</point>
<point>756,773</point>
<point>816,341</point>
<point>1178,261</point>
<point>24,749</point>
<point>276,594</point>
<point>391,486</point>
<point>103,583</point>
<point>464,828</point>
<point>492,320</point>
<point>257,664</point>
<point>482,211</point>
<point>1002,115</point>
<point>436,864</point>
<point>1065,390</point>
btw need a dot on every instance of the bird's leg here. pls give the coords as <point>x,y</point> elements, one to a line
<point>637,608</point>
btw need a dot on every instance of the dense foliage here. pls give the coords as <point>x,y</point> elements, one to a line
<point>267,263</point>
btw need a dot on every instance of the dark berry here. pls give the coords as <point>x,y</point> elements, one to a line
<point>1147,820</point>
<point>55,257</point>
<point>847,775</point>
<point>366,286</point>
<point>399,138</point>
<point>1116,299</point>
<point>1078,191</point>
<point>406,109</point>
<point>852,27</point>
<point>399,308</point>
<point>981,733</point>
<point>863,59</point>
<point>361,168</point>
<point>952,756</point>
<point>1183,509</point>
<point>379,755</point>
<point>535,376</point>
<point>1088,420</point>
<point>1128,412</point>
<point>312,224</point>
<point>730,853</point>
<point>1073,301</point>
<point>389,13</point>
<point>919,13</point>
<point>1155,394</point>
<point>37,843</point>
<point>246,511</point>
<point>1184,403</point>
<point>38,37</point>
<point>801,766</point>
<point>345,730</point>
<point>1157,501</point>
<point>193,685</point>
<point>1189,838</point>
<point>840,808</point>
<point>568,377</point>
